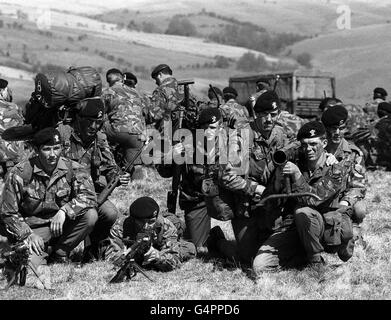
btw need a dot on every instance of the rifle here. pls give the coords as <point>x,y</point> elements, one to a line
<point>128,268</point>
<point>280,158</point>
<point>216,95</point>
<point>172,195</point>
<point>15,263</point>
<point>102,197</point>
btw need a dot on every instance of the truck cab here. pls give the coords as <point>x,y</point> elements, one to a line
<point>300,91</point>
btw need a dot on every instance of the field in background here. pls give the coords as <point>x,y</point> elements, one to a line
<point>367,275</point>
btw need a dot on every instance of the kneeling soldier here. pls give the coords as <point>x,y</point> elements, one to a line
<point>48,200</point>
<point>167,251</point>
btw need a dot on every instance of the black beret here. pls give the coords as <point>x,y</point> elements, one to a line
<point>230,90</point>
<point>160,68</point>
<point>380,92</point>
<point>3,83</point>
<point>334,116</point>
<point>384,109</point>
<point>267,101</point>
<point>144,208</point>
<point>312,129</point>
<point>129,76</point>
<point>91,108</point>
<point>209,115</point>
<point>48,136</point>
<point>329,102</point>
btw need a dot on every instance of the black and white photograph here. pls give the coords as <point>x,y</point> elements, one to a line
<point>209,153</point>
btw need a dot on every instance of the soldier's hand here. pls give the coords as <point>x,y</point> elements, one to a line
<point>124,179</point>
<point>231,121</point>
<point>57,222</point>
<point>151,255</point>
<point>178,150</point>
<point>36,244</point>
<point>292,170</point>
<point>259,190</point>
<point>331,159</point>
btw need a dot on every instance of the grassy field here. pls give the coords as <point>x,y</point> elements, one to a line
<point>367,275</point>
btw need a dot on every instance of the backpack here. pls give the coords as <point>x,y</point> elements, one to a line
<point>54,89</point>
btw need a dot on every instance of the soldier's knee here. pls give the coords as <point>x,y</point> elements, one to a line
<point>108,212</point>
<point>90,217</point>
<point>265,260</point>
<point>359,212</point>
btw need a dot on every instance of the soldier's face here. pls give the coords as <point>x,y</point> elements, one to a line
<point>49,155</point>
<point>89,127</point>
<point>145,224</point>
<point>313,148</point>
<point>211,130</point>
<point>266,120</point>
<point>336,133</point>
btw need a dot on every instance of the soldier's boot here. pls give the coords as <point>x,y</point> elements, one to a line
<point>345,251</point>
<point>58,257</point>
<point>90,253</point>
<point>215,235</point>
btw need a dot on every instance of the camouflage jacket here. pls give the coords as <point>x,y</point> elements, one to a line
<point>370,109</point>
<point>355,188</point>
<point>126,109</point>
<point>28,199</point>
<point>10,116</point>
<point>165,99</point>
<point>233,109</point>
<point>172,251</point>
<point>96,157</point>
<point>291,123</point>
<point>328,182</point>
<point>253,165</point>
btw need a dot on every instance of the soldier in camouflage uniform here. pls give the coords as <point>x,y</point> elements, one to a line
<point>191,198</point>
<point>291,123</point>
<point>126,111</point>
<point>247,175</point>
<point>48,200</point>
<point>379,96</point>
<point>10,116</point>
<point>86,144</point>
<point>231,109</point>
<point>165,98</point>
<point>334,120</point>
<point>167,251</point>
<point>309,226</point>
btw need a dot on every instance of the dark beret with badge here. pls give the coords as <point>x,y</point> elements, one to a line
<point>379,92</point>
<point>334,116</point>
<point>48,136</point>
<point>3,83</point>
<point>160,68</point>
<point>230,91</point>
<point>267,102</point>
<point>384,109</point>
<point>144,208</point>
<point>312,129</point>
<point>128,77</point>
<point>208,116</point>
<point>91,108</point>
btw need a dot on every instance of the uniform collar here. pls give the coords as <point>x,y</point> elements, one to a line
<point>60,169</point>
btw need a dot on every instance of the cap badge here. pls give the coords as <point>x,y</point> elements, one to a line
<point>312,132</point>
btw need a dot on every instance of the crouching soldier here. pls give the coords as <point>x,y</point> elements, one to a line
<point>310,225</point>
<point>85,143</point>
<point>167,251</point>
<point>48,200</point>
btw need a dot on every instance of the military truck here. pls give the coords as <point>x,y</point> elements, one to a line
<point>300,91</point>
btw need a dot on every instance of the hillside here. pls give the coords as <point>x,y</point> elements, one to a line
<point>357,57</point>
